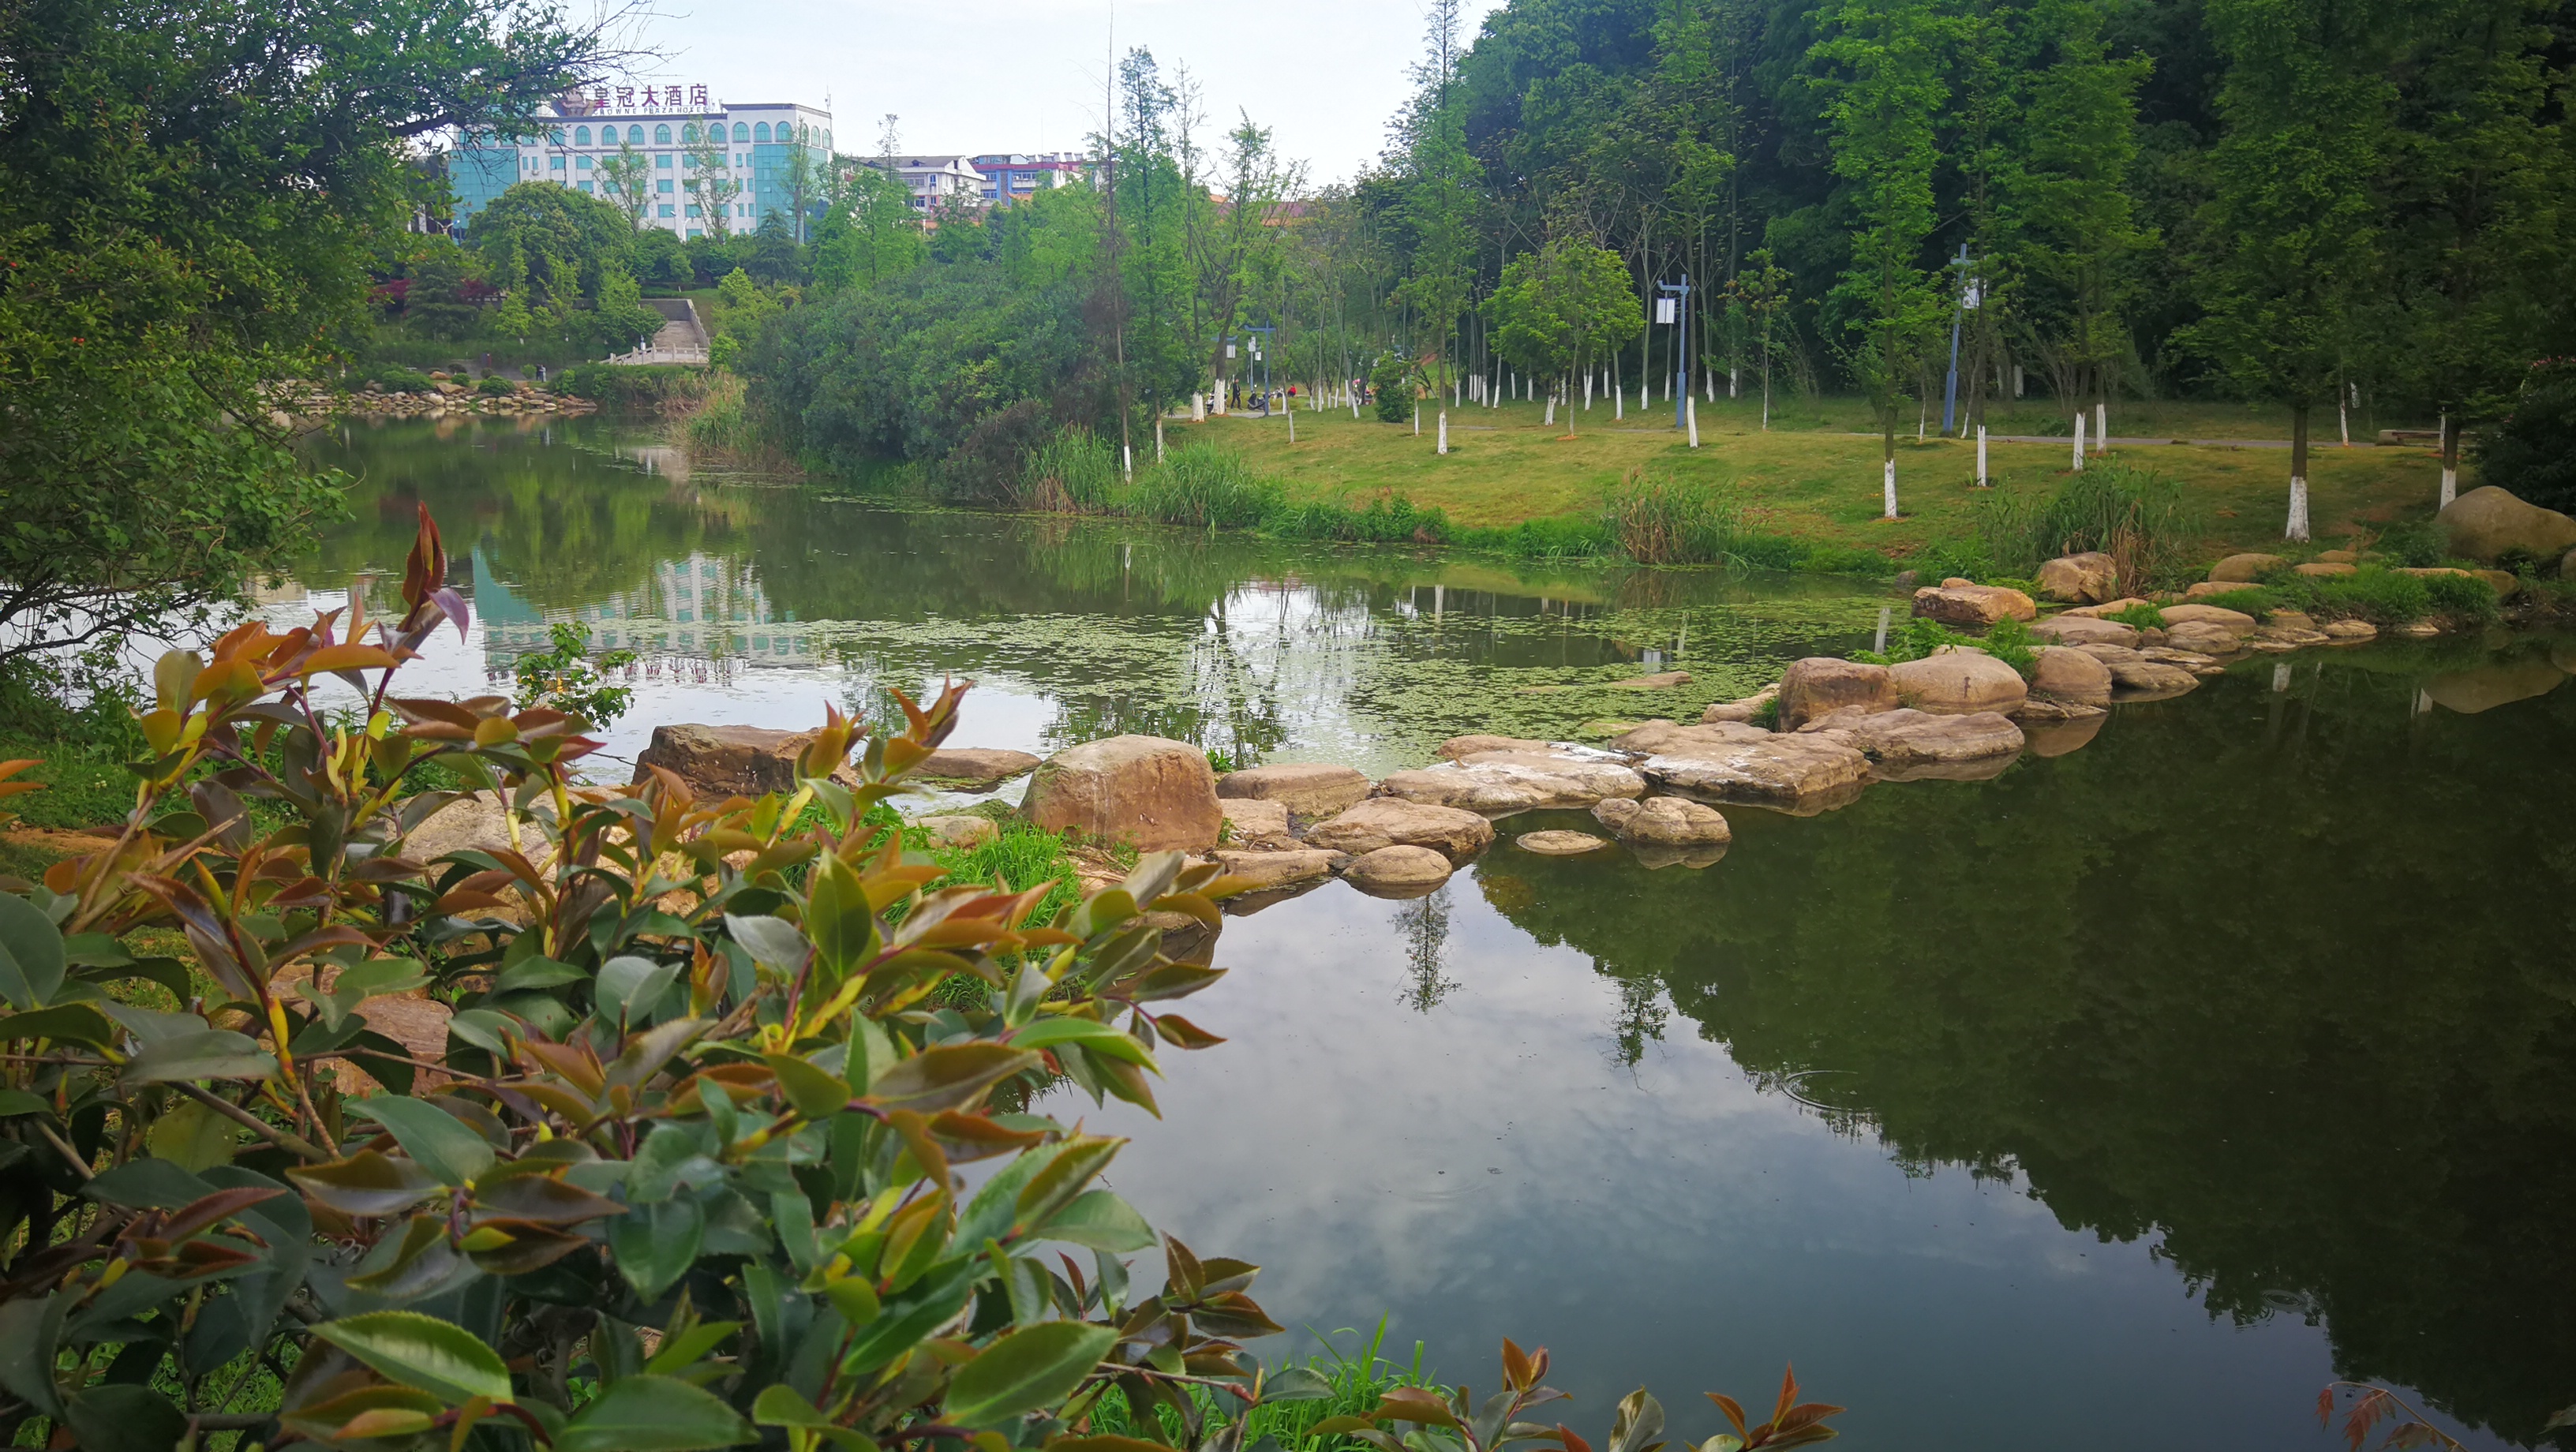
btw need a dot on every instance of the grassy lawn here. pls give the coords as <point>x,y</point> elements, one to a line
<point>1815,482</point>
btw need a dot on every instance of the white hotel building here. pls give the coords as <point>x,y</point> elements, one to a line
<point>662,123</point>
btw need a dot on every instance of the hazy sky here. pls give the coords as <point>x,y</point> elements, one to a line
<point>1025,75</point>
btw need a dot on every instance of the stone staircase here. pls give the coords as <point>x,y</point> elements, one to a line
<point>683,338</point>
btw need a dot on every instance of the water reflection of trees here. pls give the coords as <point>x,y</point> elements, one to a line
<point>2279,983</point>
<point>1423,923</point>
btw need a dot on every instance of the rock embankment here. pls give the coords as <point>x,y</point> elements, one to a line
<point>445,397</point>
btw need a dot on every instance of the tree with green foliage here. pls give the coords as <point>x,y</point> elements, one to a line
<point>1883,76</point>
<point>1230,248</point>
<point>1563,309</point>
<point>801,175</point>
<point>627,180</point>
<point>710,180</point>
<point>2481,188</point>
<point>2292,227</point>
<point>191,198</point>
<point>868,232</point>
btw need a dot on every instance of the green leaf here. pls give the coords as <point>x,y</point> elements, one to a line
<point>1075,1165</point>
<point>120,1417</point>
<point>76,1022</point>
<point>1100,1038</point>
<point>434,1138</point>
<point>31,953</point>
<point>148,1185</point>
<point>950,1076</point>
<point>193,1137</point>
<point>772,941</point>
<point>14,1102</point>
<point>536,973</point>
<point>650,1413</point>
<point>816,1093</point>
<point>31,1331</point>
<point>438,1357</point>
<point>366,1183</point>
<point>656,1244</point>
<point>208,1054</point>
<point>780,1405</point>
<point>1025,1370</point>
<point>837,915</point>
<point>1101,1221</point>
<point>1296,1384</point>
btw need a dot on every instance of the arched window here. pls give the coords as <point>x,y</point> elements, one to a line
<point>555,137</point>
<point>689,134</point>
<point>581,136</point>
<point>741,132</point>
<point>635,134</point>
<point>760,132</point>
<point>661,136</point>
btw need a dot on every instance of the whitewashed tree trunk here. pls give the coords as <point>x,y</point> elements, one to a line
<point>1551,410</point>
<point>1198,408</point>
<point>1444,431</point>
<point>1891,488</point>
<point>1587,390</point>
<point>2101,428</point>
<point>1417,418</point>
<point>2298,526</point>
<point>1128,455</point>
<point>1690,415</point>
<point>2079,441</point>
<point>1158,440</point>
<point>1981,456</point>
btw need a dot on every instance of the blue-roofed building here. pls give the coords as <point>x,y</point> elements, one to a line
<point>755,142</point>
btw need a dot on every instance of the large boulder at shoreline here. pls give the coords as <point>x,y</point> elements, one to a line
<point>2504,582</point>
<point>1394,822</point>
<point>1267,870</point>
<point>1972,606</point>
<point>724,761</point>
<point>1732,762</point>
<point>2245,568</point>
<point>2212,589</point>
<point>1474,745</point>
<point>1309,789</point>
<point>2086,579</point>
<point>2072,629</point>
<point>1499,783</point>
<point>2058,738</point>
<point>1910,745</point>
<point>2489,522</point>
<point>1666,822</point>
<point>1146,790</point>
<point>2064,673</point>
<point>1956,682</point>
<point>1399,872</point>
<point>974,768</point>
<point>1821,683</point>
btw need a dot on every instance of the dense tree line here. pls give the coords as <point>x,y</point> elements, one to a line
<point>2318,203</point>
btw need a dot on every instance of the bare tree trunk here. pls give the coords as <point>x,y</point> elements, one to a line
<point>2298,525</point>
<point>2450,459</point>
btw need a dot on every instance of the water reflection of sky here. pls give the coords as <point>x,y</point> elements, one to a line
<point>1492,1168</point>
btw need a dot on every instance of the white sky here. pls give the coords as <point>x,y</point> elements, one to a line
<point>1025,75</point>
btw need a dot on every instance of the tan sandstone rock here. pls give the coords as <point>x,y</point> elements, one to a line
<point>2489,522</point>
<point>1499,783</point>
<point>975,768</point>
<point>2086,579</point>
<point>1146,790</point>
<point>2246,568</point>
<point>1558,842</point>
<point>2236,622</point>
<point>1255,823</point>
<point>1956,682</point>
<point>1383,822</point>
<point>2073,629</point>
<point>1958,602</point>
<point>724,761</point>
<point>1308,789</point>
<point>962,832</point>
<point>1666,822</point>
<point>1267,870</point>
<point>1812,687</point>
<point>1731,762</point>
<point>1741,710</point>
<point>2066,674</point>
<point>1399,872</point>
<point>1910,745</point>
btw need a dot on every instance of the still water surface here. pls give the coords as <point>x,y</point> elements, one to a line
<point>2120,1102</point>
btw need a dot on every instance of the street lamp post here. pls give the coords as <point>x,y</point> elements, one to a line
<point>1674,307</point>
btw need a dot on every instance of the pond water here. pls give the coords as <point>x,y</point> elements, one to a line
<point>2122,1101</point>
